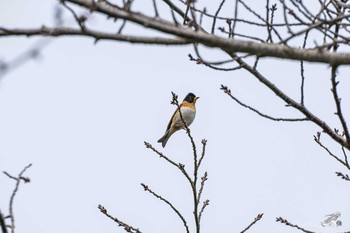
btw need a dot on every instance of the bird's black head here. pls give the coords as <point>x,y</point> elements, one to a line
<point>191,98</point>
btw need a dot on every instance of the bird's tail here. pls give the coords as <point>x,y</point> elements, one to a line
<point>164,139</point>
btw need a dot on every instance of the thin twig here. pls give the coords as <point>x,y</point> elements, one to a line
<point>204,178</point>
<point>146,188</point>
<point>180,166</point>
<point>345,157</point>
<point>204,143</point>
<point>205,204</point>
<point>256,219</point>
<point>18,180</point>
<point>216,15</point>
<point>175,8</point>
<point>209,64</point>
<point>317,139</point>
<point>228,92</point>
<point>285,221</point>
<point>344,177</point>
<point>155,9</point>
<point>127,227</point>
<point>337,100</point>
<point>302,86</point>
<point>79,19</point>
<point>232,31</point>
<point>292,103</point>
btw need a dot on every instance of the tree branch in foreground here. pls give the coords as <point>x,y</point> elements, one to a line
<point>189,34</point>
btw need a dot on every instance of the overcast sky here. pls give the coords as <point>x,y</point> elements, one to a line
<point>81,112</point>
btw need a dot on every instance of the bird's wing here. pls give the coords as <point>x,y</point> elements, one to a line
<point>171,120</point>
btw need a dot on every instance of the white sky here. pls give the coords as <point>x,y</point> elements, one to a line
<point>81,112</point>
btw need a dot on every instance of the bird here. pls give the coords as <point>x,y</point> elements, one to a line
<point>188,112</point>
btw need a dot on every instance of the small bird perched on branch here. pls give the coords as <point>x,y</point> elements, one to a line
<point>188,112</point>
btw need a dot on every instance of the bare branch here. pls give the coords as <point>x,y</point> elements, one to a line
<point>212,65</point>
<point>337,100</point>
<point>309,115</point>
<point>79,19</point>
<point>285,221</point>
<point>203,179</point>
<point>180,166</point>
<point>146,188</point>
<point>126,227</point>
<point>216,15</point>
<point>344,177</point>
<point>175,8</point>
<point>204,144</point>
<point>317,139</point>
<point>345,157</point>
<point>155,8</point>
<point>200,36</point>
<point>97,35</point>
<point>228,92</point>
<point>18,180</point>
<point>205,204</point>
<point>256,219</point>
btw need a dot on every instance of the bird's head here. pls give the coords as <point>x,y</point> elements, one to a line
<point>191,98</point>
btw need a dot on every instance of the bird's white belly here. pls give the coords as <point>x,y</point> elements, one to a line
<point>188,114</point>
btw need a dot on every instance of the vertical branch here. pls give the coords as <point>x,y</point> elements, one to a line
<point>188,2</point>
<point>155,9</point>
<point>18,181</point>
<point>286,22</point>
<point>234,19</point>
<point>216,15</point>
<point>205,204</point>
<point>270,28</point>
<point>335,82</point>
<point>202,15</point>
<point>302,72</point>
<point>203,178</point>
<point>268,20</point>
<point>345,157</point>
<point>302,82</point>
<point>337,102</point>
<point>204,143</point>
<point>195,165</point>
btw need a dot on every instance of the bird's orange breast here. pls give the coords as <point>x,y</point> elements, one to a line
<point>188,105</point>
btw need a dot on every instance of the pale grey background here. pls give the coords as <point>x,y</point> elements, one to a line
<point>81,112</point>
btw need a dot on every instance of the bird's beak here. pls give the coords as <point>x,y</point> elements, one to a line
<point>195,98</point>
